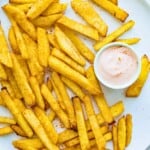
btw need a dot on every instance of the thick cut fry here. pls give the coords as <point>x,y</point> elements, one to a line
<point>100,141</point>
<point>114,35</point>
<point>83,137</point>
<point>37,8</point>
<point>121,128</point>
<point>5,57</point>
<point>55,8</point>
<point>68,47</point>
<point>46,21</point>
<point>18,130</point>
<point>7,120</point>
<point>113,9</point>
<point>22,1</point>
<point>16,113</point>
<point>71,74</point>
<point>21,19</point>
<point>22,82</point>
<point>55,106</point>
<point>92,17</point>
<point>115,137</point>
<point>74,87</point>
<point>43,47</point>
<point>129,126</point>
<point>47,125</point>
<point>6,130</point>
<point>78,27</point>
<point>82,48</point>
<point>38,129</point>
<point>3,75</point>
<point>12,40</point>
<point>135,89</point>
<point>59,54</point>
<point>129,41</point>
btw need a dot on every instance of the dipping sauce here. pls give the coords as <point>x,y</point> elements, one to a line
<point>117,65</point>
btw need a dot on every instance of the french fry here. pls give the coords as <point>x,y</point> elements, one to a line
<point>5,57</point>
<point>135,89</point>
<point>43,47</point>
<point>7,120</point>
<point>74,87</point>
<point>121,128</point>
<point>20,105</point>
<point>40,77</point>
<point>22,1</point>
<point>21,19</point>
<point>100,141</point>
<point>59,54</point>
<point>55,8</point>
<point>37,8</point>
<point>16,113</point>
<point>54,105</point>
<point>129,126</point>
<point>47,125</point>
<point>114,1</point>
<point>82,48</point>
<point>71,74</point>
<point>22,82</point>
<point>129,41</point>
<point>46,21</point>
<point>114,35</point>
<point>3,75</point>
<point>12,40</point>
<point>18,130</point>
<point>68,47</point>
<point>113,9</point>
<point>49,84</point>
<point>92,17</point>
<point>2,103</point>
<point>115,137</point>
<point>30,148</point>
<point>78,27</point>
<point>24,7</point>
<point>38,129</point>
<point>51,115</point>
<point>83,137</point>
<point>5,130</point>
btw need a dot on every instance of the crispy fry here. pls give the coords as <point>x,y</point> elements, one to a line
<point>49,84</point>
<point>92,17</point>
<point>100,141</point>
<point>21,19</point>
<point>6,130</point>
<point>82,48</point>
<point>121,128</point>
<point>22,82</point>
<point>59,54</point>
<point>55,106</point>
<point>83,137</point>
<point>47,125</point>
<point>40,77</point>
<point>129,126</point>
<point>2,103</point>
<point>114,35</point>
<point>51,115</point>
<point>37,8</point>
<point>115,137</point>
<point>68,47</point>
<point>71,74</point>
<point>135,89</point>
<point>22,1</point>
<point>18,130</point>
<point>78,27</point>
<point>46,21</point>
<point>7,120</point>
<point>16,113</point>
<point>24,7</point>
<point>38,129</point>
<point>55,8</point>
<point>20,105</point>
<point>43,47</point>
<point>113,9</point>
<point>5,57</point>
<point>3,75</point>
<point>129,41</point>
<point>114,1</point>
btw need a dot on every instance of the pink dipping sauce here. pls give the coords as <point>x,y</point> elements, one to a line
<point>117,65</point>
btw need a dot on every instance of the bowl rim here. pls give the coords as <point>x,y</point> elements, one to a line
<point>131,81</point>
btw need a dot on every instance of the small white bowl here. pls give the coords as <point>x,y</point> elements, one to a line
<point>104,82</point>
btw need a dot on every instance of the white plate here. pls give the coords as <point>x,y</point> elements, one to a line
<point>138,107</point>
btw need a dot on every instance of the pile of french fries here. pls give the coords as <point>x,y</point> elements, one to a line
<point>44,57</point>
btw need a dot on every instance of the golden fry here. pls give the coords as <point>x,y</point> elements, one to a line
<point>7,120</point>
<point>37,8</point>
<point>68,47</point>
<point>135,89</point>
<point>40,77</point>
<point>114,35</point>
<point>24,7</point>
<point>38,129</point>
<point>71,74</point>
<point>6,130</point>
<point>113,9</point>
<point>22,1</point>
<point>20,105</point>
<point>129,41</point>
<point>78,27</point>
<point>3,75</point>
<point>114,1</point>
<point>18,130</point>
<point>51,115</point>
<point>115,137</point>
<point>92,17</point>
